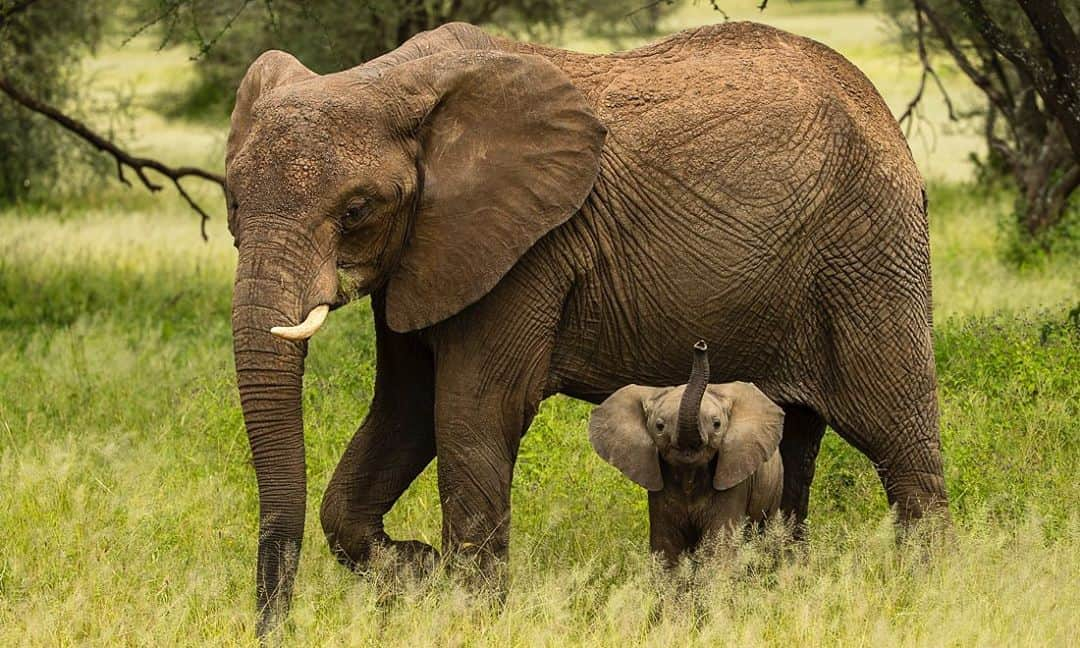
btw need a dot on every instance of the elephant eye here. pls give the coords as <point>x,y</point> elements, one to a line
<point>659,425</point>
<point>716,424</point>
<point>355,214</point>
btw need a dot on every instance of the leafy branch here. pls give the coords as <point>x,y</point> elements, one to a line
<point>124,159</point>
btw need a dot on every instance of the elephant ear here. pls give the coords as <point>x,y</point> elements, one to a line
<point>755,425</point>
<point>618,432</point>
<point>508,150</point>
<point>272,69</point>
<point>451,36</point>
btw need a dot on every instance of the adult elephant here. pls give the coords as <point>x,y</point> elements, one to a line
<point>529,221</point>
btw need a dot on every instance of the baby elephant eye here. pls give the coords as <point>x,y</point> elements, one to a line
<point>716,424</point>
<point>660,426</point>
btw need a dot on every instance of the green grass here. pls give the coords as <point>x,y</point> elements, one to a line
<point>129,509</point>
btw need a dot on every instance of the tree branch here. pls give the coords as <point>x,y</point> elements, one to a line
<point>646,7</point>
<point>961,59</point>
<point>927,70</point>
<point>1057,84</point>
<point>206,45</point>
<point>166,12</point>
<point>123,159</point>
<point>1061,43</point>
<point>1001,41</point>
<point>1002,147</point>
<point>720,10</point>
<point>1062,48</point>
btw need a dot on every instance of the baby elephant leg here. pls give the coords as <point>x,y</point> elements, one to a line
<point>669,537</point>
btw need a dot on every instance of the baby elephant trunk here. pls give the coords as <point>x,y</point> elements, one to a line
<point>689,431</point>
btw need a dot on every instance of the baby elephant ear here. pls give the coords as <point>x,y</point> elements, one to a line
<point>754,429</point>
<point>618,433</point>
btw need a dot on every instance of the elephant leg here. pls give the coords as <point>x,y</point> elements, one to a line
<point>881,397</point>
<point>803,430</point>
<point>478,437</point>
<point>478,446</point>
<point>668,538</point>
<point>393,445</point>
<point>905,449</point>
<point>486,397</point>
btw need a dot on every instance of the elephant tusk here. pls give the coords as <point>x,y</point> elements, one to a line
<point>305,329</point>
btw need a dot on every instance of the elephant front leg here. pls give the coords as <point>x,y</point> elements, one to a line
<point>484,404</point>
<point>669,537</point>
<point>393,445</point>
<point>492,365</point>
<point>477,444</point>
<point>382,459</point>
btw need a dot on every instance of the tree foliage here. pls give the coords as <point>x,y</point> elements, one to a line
<point>41,44</point>
<point>330,35</point>
<point>43,41</point>
<point>1024,56</point>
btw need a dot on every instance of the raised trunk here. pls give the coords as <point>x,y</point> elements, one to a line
<point>689,432</point>
<point>269,374</point>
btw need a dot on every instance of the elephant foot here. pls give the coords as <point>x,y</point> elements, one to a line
<point>420,556</point>
<point>380,548</point>
<point>480,570</point>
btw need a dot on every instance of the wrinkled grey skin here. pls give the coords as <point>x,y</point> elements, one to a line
<point>531,221</point>
<point>708,455</point>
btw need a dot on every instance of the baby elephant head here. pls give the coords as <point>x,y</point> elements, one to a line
<point>687,426</point>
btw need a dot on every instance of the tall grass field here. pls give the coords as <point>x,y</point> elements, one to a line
<point>128,502</point>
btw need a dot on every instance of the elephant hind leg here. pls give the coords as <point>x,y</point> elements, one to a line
<point>803,430</point>
<point>908,461</point>
<point>881,397</point>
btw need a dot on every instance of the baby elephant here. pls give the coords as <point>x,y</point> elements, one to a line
<point>708,454</point>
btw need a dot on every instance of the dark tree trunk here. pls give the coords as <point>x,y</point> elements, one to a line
<point>1032,88</point>
<point>1060,87</point>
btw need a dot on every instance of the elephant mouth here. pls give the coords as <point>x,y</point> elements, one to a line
<point>694,457</point>
<point>354,280</point>
<point>340,300</point>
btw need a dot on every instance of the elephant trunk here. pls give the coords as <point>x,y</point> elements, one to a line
<point>689,431</point>
<point>269,374</point>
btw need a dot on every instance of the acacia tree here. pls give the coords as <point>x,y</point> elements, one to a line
<point>1024,56</point>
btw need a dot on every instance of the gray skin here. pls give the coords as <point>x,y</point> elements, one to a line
<point>531,221</point>
<point>708,454</point>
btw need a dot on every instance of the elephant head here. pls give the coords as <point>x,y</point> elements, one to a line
<point>687,426</point>
<point>424,174</point>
